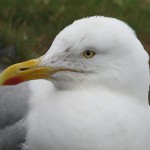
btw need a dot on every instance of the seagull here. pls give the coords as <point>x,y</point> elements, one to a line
<point>95,92</point>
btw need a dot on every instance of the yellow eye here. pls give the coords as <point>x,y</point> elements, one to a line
<point>88,54</point>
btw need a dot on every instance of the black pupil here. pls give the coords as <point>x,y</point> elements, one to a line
<point>88,53</point>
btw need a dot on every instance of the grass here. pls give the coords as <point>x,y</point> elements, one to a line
<point>31,25</point>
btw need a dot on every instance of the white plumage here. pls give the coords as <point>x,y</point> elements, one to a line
<point>104,106</point>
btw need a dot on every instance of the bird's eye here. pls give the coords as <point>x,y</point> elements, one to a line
<point>88,54</point>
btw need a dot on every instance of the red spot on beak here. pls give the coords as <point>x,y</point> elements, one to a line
<point>13,81</point>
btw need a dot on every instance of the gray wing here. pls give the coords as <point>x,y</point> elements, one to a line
<point>12,137</point>
<point>13,108</point>
<point>13,103</point>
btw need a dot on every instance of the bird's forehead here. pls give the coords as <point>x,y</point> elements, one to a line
<point>98,32</point>
<point>60,46</point>
<point>68,41</point>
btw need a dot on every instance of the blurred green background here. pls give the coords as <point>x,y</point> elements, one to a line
<point>28,27</point>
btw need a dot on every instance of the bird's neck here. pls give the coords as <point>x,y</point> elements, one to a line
<point>122,84</point>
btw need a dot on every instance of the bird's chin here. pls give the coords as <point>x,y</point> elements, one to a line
<point>63,75</point>
<point>65,79</point>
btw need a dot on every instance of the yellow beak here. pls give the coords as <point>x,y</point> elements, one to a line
<point>29,70</point>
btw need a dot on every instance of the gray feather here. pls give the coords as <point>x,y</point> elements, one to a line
<point>12,137</point>
<point>13,108</point>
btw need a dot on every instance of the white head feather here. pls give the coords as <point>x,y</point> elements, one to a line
<point>120,62</point>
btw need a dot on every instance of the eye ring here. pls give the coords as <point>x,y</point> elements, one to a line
<point>88,54</point>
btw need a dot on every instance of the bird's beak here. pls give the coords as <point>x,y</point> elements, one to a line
<point>29,70</point>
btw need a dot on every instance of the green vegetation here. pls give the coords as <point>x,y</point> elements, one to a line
<point>31,25</point>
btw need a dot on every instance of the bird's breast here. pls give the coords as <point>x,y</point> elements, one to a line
<point>80,120</point>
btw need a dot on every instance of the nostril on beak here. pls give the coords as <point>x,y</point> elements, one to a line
<point>23,69</point>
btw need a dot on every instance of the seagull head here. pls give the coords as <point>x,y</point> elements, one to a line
<point>94,51</point>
